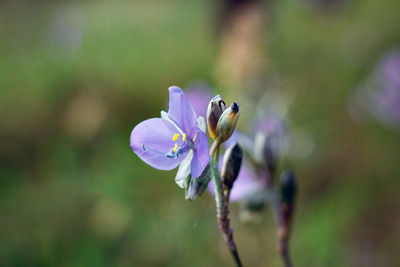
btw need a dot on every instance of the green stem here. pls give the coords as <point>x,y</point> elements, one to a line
<point>221,201</point>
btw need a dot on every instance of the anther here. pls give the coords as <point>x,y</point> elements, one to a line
<point>176,137</point>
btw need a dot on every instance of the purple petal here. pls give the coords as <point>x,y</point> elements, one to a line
<point>245,185</point>
<point>156,136</point>
<point>201,154</point>
<point>181,111</point>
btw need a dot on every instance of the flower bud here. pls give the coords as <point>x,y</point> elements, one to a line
<point>215,108</point>
<point>287,182</point>
<point>227,123</point>
<point>225,126</point>
<point>231,165</point>
<point>266,150</point>
<point>195,187</point>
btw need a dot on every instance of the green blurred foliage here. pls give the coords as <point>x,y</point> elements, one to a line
<point>77,76</point>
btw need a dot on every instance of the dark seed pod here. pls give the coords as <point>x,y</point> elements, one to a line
<point>287,182</point>
<point>231,165</point>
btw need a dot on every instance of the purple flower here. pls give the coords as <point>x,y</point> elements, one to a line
<point>271,124</point>
<point>245,184</point>
<point>379,94</point>
<point>387,79</point>
<point>176,138</point>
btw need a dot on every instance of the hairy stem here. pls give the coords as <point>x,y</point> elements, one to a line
<point>222,201</point>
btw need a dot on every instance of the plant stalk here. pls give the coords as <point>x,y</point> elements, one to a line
<point>222,201</point>
<point>282,228</point>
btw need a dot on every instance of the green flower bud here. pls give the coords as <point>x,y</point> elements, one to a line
<point>215,108</point>
<point>227,123</point>
<point>231,165</point>
<point>195,187</point>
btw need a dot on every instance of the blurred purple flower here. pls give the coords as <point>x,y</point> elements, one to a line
<point>177,137</point>
<point>270,124</point>
<point>387,99</point>
<point>199,96</point>
<point>244,186</point>
<point>380,93</point>
<point>246,183</point>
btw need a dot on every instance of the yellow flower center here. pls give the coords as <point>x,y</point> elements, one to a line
<point>175,138</point>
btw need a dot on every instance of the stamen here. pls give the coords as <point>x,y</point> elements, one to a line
<point>183,137</point>
<point>175,137</point>
<point>175,147</point>
<point>152,150</point>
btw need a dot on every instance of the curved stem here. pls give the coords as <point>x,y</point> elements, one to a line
<point>221,201</point>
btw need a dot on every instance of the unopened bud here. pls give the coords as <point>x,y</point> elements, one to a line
<point>287,182</point>
<point>195,187</point>
<point>225,126</point>
<point>215,108</point>
<point>266,150</point>
<point>231,165</point>
<point>227,123</point>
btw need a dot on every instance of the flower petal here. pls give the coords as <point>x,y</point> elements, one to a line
<point>201,123</point>
<point>201,154</point>
<point>184,170</point>
<point>244,186</point>
<point>151,140</point>
<point>181,111</point>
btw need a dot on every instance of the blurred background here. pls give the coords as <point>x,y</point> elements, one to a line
<point>77,76</point>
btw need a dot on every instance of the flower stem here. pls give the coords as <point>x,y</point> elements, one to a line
<point>222,201</point>
<point>282,228</point>
<point>279,212</point>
